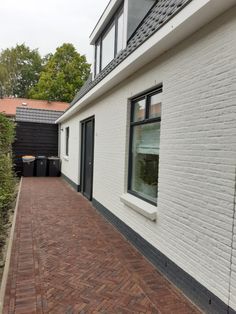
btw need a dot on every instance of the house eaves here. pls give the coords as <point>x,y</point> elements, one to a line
<point>193,16</point>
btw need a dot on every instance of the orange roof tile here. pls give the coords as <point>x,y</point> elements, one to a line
<point>8,105</point>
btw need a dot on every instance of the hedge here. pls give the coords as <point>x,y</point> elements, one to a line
<point>7,178</point>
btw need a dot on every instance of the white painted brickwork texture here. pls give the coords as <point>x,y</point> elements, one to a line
<point>197,154</point>
<point>233,269</point>
<point>70,165</point>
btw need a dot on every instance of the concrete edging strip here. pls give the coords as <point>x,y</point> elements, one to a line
<point>9,251</point>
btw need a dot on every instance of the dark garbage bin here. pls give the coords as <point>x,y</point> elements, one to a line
<point>41,166</point>
<point>53,166</point>
<point>28,166</point>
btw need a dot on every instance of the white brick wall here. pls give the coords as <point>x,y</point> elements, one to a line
<point>71,173</point>
<point>232,302</point>
<point>197,156</point>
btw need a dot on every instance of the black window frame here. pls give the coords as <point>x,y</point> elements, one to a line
<point>147,96</point>
<point>113,20</point>
<point>67,140</point>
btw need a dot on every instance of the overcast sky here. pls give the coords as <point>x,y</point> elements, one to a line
<point>46,24</point>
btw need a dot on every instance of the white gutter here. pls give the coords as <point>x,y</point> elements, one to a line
<point>195,15</point>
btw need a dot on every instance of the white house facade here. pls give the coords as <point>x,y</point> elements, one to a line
<point>151,138</point>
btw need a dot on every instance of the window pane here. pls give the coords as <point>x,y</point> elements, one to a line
<point>155,106</point>
<point>120,32</point>
<point>98,58</point>
<point>108,46</point>
<point>145,160</point>
<point>138,110</point>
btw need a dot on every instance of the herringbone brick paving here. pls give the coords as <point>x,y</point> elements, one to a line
<point>68,259</point>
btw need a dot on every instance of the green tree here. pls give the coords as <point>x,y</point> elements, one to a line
<point>20,68</point>
<point>63,75</point>
<point>3,78</point>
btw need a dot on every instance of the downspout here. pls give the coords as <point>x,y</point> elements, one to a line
<point>232,242</point>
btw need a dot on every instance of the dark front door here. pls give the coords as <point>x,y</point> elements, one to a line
<point>87,157</point>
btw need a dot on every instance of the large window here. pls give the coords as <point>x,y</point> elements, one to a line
<point>110,43</point>
<point>67,140</point>
<point>144,146</point>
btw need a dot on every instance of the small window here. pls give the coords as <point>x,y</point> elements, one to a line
<point>144,146</point>
<point>138,110</point>
<point>67,140</point>
<point>155,106</point>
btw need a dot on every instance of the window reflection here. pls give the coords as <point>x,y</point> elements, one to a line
<point>145,152</point>
<point>120,32</point>
<point>139,110</point>
<point>108,46</point>
<point>155,106</point>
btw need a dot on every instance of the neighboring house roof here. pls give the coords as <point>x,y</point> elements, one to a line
<point>160,13</point>
<point>37,115</point>
<point>9,105</point>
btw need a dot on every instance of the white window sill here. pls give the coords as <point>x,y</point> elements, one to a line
<point>66,158</point>
<point>147,210</point>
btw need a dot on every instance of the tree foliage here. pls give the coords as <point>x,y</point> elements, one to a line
<point>63,75</point>
<point>20,68</point>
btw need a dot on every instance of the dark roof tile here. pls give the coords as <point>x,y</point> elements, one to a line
<point>37,115</point>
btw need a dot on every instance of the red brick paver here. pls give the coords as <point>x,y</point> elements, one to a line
<point>68,259</point>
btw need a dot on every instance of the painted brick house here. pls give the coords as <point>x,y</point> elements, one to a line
<point>151,138</point>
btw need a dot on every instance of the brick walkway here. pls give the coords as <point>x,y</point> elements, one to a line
<point>68,259</point>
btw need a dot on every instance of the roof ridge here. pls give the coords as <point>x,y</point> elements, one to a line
<point>29,99</point>
<point>41,109</point>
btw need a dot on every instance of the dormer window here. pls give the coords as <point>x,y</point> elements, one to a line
<point>110,43</point>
